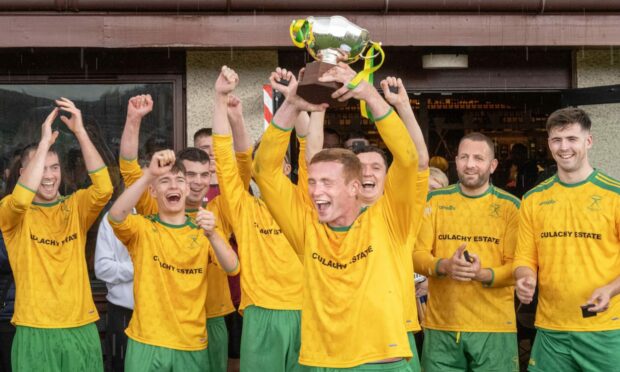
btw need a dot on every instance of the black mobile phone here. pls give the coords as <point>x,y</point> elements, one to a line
<point>467,256</point>
<point>585,312</point>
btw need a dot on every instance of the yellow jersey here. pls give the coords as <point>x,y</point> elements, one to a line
<point>272,271</point>
<point>488,224</point>
<point>353,293</point>
<point>569,235</point>
<point>170,281</point>
<point>219,302</point>
<point>46,247</point>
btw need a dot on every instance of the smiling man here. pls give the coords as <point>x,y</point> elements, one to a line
<point>198,176</point>
<point>470,320</point>
<point>171,254</point>
<point>45,237</point>
<point>350,262</point>
<point>569,243</point>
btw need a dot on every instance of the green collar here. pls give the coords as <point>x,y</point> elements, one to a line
<point>346,228</point>
<point>488,191</point>
<point>186,223</point>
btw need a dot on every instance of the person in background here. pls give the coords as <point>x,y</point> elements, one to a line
<point>331,138</point>
<point>439,162</point>
<point>113,266</point>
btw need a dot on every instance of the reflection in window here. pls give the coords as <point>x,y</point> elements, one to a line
<point>24,107</point>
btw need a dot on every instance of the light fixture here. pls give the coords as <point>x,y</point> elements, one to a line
<point>437,61</point>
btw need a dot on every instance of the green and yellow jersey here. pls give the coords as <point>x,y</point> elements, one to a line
<point>170,281</point>
<point>219,301</point>
<point>407,270</point>
<point>272,271</point>
<point>46,247</point>
<point>569,235</point>
<point>353,293</point>
<point>488,224</point>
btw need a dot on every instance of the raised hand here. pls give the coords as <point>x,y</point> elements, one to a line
<point>234,108</point>
<point>161,162</point>
<point>206,221</point>
<point>227,81</point>
<point>74,123</point>
<point>139,106</point>
<point>277,80</point>
<point>398,98</point>
<point>343,73</point>
<point>48,137</point>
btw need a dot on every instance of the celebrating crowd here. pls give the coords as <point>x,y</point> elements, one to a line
<point>327,264</point>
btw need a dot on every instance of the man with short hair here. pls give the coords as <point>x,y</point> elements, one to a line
<point>197,165</point>
<point>203,139</point>
<point>465,247</point>
<point>171,254</point>
<point>353,295</point>
<point>45,236</point>
<point>355,141</point>
<point>570,245</point>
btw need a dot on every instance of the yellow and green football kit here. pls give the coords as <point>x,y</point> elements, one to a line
<point>488,224</point>
<point>353,293</point>
<point>170,281</point>
<point>46,248</point>
<point>271,280</point>
<point>569,235</point>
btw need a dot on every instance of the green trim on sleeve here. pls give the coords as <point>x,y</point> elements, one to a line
<point>437,274</point>
<point>391,110</point>
<point>282,129</point>
<point>98,169</point>
<point>26,187</point>
<point>490,283</point>
<point>301,137</point>
<point>113,220</point>
<point>128,159</point>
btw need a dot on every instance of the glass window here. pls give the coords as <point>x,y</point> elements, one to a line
<point>23,108</point>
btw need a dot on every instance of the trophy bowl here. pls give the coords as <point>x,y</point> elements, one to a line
<point>328,40</point>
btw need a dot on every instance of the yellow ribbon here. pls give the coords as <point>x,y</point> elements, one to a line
<point>299,30</point>
<point>367,74</point>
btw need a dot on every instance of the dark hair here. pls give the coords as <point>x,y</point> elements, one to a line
<point>203,132</point>
<point>193,154</point>
<point>356,134</point>
<point>25,153</point>
<point>327,130</point>
<point>178,167</point>
<point>154,144</point>
<point>352,167</point>
<point>371,148</point>
<point>479,137</point>
<point>567,116</point>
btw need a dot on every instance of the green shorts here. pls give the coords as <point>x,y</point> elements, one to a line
<point>218,344</point>
<point>148,358</point>
<point>446,351</point>
<point>414,362</point>
<point>575,351</point>
<point>400,366</point>
<point>270,340</point>
<point>57,349</point>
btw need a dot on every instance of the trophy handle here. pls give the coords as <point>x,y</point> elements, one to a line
<point>299,30</point>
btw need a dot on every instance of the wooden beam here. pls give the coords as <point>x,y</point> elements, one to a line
<point>269,31</point>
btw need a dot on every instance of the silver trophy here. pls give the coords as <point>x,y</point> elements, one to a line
<point>329,40</point>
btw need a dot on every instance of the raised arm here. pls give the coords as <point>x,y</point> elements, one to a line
<point>314,140</point>
<point>398,206</point>
<point>161,163</point>
<point>137,108</point>
<point>14,206</point>
<point>400,101</point>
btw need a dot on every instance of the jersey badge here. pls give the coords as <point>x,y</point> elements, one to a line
<point>595,203</point>
<point>494,210</point>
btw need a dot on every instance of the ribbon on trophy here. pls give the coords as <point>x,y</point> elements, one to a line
<point>368,74</point>
<point>299,31</point>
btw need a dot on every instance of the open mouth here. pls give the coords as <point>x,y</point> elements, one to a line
<point>47,186</point>
<point>368,185</point>
<point>173,198</point>
<point>322,205</point>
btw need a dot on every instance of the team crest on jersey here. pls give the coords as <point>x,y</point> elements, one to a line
<point>494,210</point>
<point>595,203</point>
